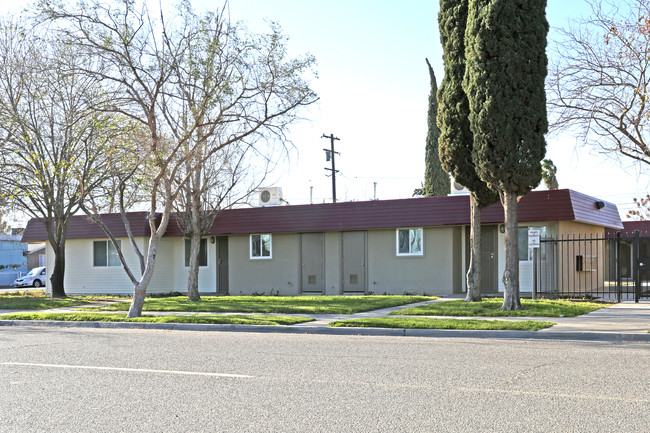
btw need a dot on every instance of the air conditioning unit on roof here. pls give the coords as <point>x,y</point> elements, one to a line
<point>271,196</point>
<point>458,189</point>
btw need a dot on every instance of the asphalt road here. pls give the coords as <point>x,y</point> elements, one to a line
<point>80,380</point>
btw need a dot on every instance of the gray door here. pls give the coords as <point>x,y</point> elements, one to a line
<point>312,263</point>
<point>222,265</point>
<point>354,262</point>
<point>489,270</point>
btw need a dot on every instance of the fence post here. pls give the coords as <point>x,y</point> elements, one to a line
<point>637,274</point>
<point>618,266</point>
<point>535,269</point>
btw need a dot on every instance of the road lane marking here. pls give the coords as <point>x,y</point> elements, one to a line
<point>135,370</point>
<point>555,394</point>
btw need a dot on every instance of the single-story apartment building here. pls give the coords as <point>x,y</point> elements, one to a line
<point>418,245</point>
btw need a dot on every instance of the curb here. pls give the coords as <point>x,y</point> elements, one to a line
<point>322,330</point>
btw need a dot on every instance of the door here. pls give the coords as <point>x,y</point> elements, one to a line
<point>353,256</point>
<point>489,269</point>
<point>312,263</point>
<point>222,265</point>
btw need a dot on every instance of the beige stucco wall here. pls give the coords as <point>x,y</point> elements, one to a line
<point>431,273</point>
<point>280,274</point>
<point>570,228</point>
<point>568,278</point>
<point>332,263</point>
<point>458,255</point>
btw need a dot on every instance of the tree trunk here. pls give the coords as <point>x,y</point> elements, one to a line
<point>139,292</point>
<point>193,271</point>
<point>511,274</point>
<point>58,273</point>
<point>474,271</point>
<point>140,289</point>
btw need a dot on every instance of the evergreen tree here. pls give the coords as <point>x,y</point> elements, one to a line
<point>549,171</point>
<point>456,140</point>
<point>504,80</point>
<point>436,180</point>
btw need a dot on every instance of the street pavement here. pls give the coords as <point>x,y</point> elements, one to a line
<point>116,380</point>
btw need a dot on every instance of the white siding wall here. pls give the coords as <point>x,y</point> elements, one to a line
<point>81,277</point>
<point>163,280</point>
<point>207,274</point>
<point>170,273</point>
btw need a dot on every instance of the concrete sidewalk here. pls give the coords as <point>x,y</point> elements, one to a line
<point>626,321</point>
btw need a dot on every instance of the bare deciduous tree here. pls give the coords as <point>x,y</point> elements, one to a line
<point>195,82</point>
<point>599,83</point>
<point>53,145</point>
<point>243,92</point>
<point>222,180</point>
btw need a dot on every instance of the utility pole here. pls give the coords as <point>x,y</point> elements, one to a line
<point>329,155</point>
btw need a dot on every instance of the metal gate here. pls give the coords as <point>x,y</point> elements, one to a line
<point>613,268</point>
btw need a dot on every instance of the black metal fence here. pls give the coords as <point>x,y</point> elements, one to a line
<point>615,268</point>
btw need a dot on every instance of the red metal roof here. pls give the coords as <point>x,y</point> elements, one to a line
<point>81,227</point>
<point>629,227</point>
<point>558,205</point>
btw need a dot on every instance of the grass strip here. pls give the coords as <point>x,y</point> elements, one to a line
<point>273,304</point>
<point>489,307</point>
<point>423,323</point>
<point>39,300</point>
<point>36,302</point>
<point>204,319</point>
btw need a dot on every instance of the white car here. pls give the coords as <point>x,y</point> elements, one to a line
<point>34,278</point>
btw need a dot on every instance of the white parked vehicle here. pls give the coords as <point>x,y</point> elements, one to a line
<point>34,278</point>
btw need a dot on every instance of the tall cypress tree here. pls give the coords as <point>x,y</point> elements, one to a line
<point>436,180</point>
<point>456,141</point>
<point>504,80</point>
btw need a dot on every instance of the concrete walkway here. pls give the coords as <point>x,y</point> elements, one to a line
<point>626,321</point>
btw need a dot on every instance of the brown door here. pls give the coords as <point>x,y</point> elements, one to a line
<point>312,263</point>
<point>222,265</point>
<point>354,262</point>
<point>489,269</point>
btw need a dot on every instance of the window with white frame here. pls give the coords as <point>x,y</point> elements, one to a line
<point>105,254</point>
<point>261,246</point>
<point>409,242</point>
<point>203,252</point>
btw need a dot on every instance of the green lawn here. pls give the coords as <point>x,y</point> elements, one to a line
<point>422,323</point>
<point>274,304</point>
<point>102,317</point>
<point>36,301</point>
<point>490,307</point>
